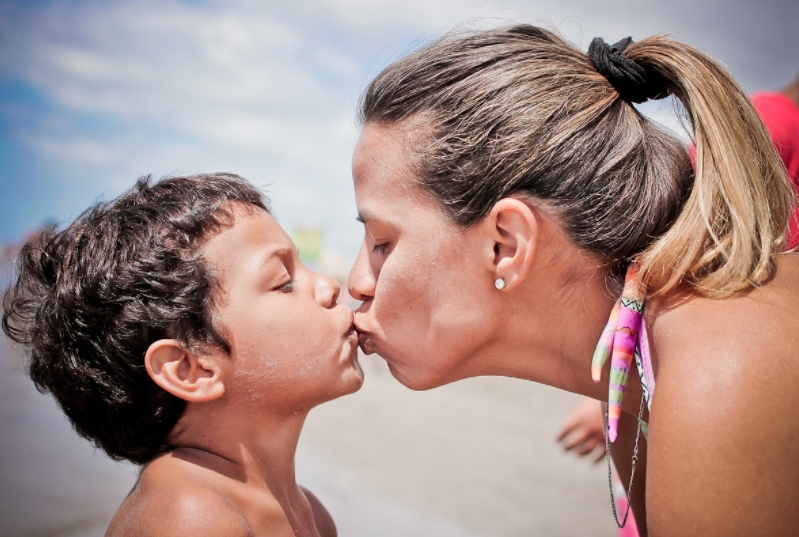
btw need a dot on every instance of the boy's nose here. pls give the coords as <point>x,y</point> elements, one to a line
<point>361,282</point>
<point>327,291</point>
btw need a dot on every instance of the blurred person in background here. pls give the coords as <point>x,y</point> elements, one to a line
<point>779,111</point>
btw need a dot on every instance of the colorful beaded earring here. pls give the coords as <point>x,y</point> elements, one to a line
<point>621,341</point>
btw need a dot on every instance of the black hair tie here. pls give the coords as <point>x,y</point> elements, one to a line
<point>634,82</point>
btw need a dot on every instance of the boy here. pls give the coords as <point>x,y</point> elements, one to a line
<point>178,329</point>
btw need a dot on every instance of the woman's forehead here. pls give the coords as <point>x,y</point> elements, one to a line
<point>381,157</point>
<point>385,183</point>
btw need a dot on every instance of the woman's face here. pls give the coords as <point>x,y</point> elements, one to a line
<point>422,279</point>
<point>292,345</point>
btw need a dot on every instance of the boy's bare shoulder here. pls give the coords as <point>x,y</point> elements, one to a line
<point>324,522</point>
<point>170,499</point>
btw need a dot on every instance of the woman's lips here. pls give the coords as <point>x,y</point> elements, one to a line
<point>366,343</point>
<point>364,338</point>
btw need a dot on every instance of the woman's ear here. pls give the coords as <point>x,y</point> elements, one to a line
<point>512,228</point>
<point>194,378</point>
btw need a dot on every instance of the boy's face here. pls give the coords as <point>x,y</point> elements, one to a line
<point>292,346</point>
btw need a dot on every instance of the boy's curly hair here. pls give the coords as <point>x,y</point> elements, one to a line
<point>89,300</point>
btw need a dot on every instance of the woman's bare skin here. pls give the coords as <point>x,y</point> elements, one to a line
<point>722,445</point>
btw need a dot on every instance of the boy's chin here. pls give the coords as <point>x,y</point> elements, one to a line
<point>349,381</point>
<point>353,378</point>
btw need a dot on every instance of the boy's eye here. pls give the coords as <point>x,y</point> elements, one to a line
<point>380,248</point>
<point>286,287</point>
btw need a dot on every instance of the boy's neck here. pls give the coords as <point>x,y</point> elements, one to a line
<point>259,452</point>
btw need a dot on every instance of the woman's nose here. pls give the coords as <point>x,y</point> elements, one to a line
<point>361,282</point>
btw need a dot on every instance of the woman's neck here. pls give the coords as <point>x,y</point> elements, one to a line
<point>553,323</point>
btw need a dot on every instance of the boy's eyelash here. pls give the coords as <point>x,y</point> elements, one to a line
<point>380,248</point>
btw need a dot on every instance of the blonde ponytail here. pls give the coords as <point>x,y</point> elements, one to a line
<point>736,216</point>
<point>518,110</point>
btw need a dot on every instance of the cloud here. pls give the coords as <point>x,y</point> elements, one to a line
<point>186,88</point>
<point>264,89</point>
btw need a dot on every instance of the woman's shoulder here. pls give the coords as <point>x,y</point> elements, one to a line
<point>744,343</point>
<point>721,424</point>
<point>763,320</point>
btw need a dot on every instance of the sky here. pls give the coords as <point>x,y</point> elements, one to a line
<point>94,94</point>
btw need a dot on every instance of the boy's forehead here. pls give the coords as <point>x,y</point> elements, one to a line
<point>254,234</point>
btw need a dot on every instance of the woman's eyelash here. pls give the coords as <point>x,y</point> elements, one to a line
<point>380,248</point>
<point>287,287</point>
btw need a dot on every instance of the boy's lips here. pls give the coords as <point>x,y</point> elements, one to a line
<point>352,333</point>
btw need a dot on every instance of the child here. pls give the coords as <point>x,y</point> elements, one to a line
<point>178,329</point>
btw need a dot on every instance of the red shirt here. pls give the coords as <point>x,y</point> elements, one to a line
<point>781,117</point>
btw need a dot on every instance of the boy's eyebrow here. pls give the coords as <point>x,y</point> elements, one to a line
<point>281,252</point>
<point>278,252</point>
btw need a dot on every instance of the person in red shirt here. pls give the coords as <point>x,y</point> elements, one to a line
<point>779,111</point>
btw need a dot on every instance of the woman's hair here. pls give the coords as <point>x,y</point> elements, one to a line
<point>89,300</point>
<point>519,111</point>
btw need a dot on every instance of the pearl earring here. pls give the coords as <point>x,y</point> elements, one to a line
<point>499,283</point>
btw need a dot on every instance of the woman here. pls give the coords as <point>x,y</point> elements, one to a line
<point>509,189</point>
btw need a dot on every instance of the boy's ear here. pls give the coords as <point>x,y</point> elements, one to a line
<point>196,379</point>
<point>511,230</point>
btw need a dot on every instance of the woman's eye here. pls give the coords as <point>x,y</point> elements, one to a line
<point>380,248</point>
<point>286,287</point>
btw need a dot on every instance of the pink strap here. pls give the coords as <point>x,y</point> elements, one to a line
<point>644,362</point>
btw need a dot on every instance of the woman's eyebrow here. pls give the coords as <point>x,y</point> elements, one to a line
<point>365,216</point>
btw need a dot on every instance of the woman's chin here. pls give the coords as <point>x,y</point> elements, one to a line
<point>414,379</point>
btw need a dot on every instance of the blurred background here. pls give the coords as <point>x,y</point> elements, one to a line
<point>94,94</point>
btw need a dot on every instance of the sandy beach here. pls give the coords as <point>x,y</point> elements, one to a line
<point>474,459</point>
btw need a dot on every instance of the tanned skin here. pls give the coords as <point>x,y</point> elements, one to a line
<point>231,471</point>
<point>721,457</point>
<point>583,429</point>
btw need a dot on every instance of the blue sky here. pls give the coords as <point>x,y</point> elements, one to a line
<point>95,93</point>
